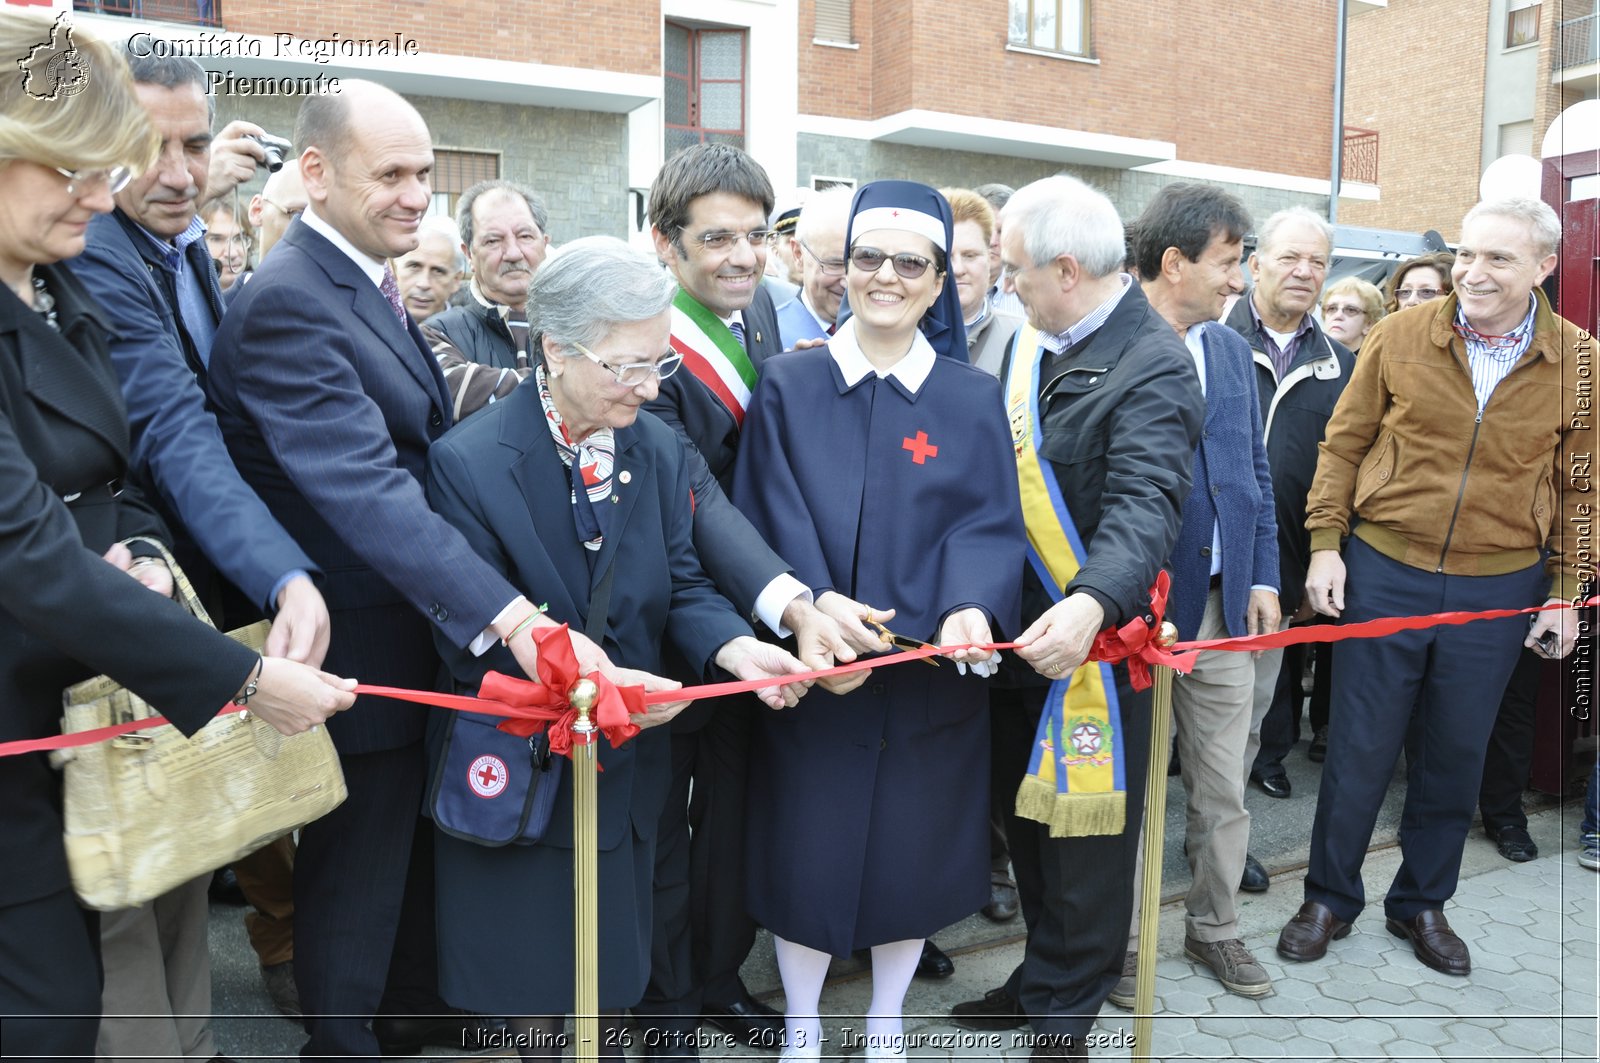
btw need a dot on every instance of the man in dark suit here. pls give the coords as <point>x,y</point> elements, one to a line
<point>708,211</point>
<point>1118,415</point>
<point>329,398</point>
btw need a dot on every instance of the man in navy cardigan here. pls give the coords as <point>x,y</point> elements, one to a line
<point>1225,563</point>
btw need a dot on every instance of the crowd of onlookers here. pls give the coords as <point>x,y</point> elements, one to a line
<point>783,435</point>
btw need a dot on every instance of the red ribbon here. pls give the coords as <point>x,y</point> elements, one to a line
<point>543,703</point>
<point>1135,643</point>
<point>531,706</point>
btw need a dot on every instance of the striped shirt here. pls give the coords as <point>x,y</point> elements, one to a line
<point>1056,342</point>
<point>1490,358</point>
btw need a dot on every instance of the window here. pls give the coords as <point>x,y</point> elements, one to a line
<point>1516,138</point>
<point>1051,25</point>
<point>456,171</point>
<point>820,183</point>
<point>704,91</point>
<point>833,22</point>
<point>1522,22</point>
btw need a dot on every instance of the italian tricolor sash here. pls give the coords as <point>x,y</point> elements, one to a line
<point>1076,781</point>
<point>712,354</point>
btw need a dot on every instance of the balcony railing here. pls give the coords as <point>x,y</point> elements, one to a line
<point>1577,42</point>
<point>195,12</point>
<point>1360,160</point>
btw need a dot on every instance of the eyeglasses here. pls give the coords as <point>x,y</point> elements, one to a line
<point>78,181</point>
<point>634,373</point>
<point>871,260</point>
<point>1341,310</point>
<point>1420,294</point>
<point>236,242</point>
<point>1010,273</point>
<point>828,267</point>
<point>722,240</point>
<point>285,211</point>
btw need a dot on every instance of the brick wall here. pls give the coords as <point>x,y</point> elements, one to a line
<point>577,160</point>
<point>1415,74</point>
<point>614,35</point>
<point>1256,95</point>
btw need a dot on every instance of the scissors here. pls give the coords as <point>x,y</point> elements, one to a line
<point>902,642</point>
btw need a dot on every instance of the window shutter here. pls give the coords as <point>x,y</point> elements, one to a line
<point>833,21</point>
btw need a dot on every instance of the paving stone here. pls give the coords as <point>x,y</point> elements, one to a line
<point>1476,1038</point>
<point>1408,1049</point>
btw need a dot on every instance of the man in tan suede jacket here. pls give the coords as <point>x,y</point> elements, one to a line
<point>1449,464</point>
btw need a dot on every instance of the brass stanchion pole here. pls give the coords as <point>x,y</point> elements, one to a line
<point>1155,828</point>
<point>585,857</point>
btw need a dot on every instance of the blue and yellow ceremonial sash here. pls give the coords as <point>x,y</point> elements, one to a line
<point>1076,781</point>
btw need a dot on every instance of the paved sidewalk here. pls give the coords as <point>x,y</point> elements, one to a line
<point>1532,929</point>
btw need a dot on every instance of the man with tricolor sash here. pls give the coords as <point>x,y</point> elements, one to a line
<point>1105,412</point>
<point>708,211</point>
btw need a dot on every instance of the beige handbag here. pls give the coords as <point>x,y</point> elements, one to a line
<point>151,809</point>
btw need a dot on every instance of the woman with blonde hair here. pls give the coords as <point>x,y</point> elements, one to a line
<point>1350,307</point>
<point>71,134</point>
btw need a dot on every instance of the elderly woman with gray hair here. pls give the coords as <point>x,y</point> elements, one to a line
<point>583,500</point>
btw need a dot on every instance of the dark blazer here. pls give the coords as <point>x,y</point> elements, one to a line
<point>1121,412</point>
<point>178,449</point>
<point>1232,491</point>
<point>66,615</point>
<point>691,408</point>
<point>1294,415</point>
<point>479,333</point>
<point>498,478</point>
<point>329,403</point>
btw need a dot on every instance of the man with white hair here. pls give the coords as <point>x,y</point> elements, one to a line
<point>1448,469</point>
<point>1106,410</point>
<point>430,273</point>
<point>818,245</point>
<point>1300,371</point>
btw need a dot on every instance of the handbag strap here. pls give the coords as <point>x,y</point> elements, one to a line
<point>600,606</point>
<point>182,589</point>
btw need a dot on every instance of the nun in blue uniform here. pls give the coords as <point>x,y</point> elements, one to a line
<point>880,466</point>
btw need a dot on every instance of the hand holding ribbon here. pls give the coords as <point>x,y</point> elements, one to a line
<point>1135,643</point>
<point>547,697</point>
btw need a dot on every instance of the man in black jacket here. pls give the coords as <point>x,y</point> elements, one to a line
<point>1300,373</point>
<point>503,231</point>
<point>1119,414</point>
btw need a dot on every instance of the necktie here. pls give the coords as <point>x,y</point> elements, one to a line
<point>517,322</point>
<point>391,292</point>
<point>737,328</point>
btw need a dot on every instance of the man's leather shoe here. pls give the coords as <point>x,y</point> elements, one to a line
<point>406,1035</point>
<point>750,1020</point>
<point>1051,1049</point>
<point>1319,746</point>
<point>1514,843</point>
<point>1275,785</point>
<point>998,1010</point>
<point>1003,904</point>
<point>933,963</point>
<point>1306,936</point>
<point>224,888</point>
<point>1255,878</point>
<point>1435,944</point>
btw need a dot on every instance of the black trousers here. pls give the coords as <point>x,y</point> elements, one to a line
<point>1436,693</point>
<point>50,978</point>
<point>702,932</point>
<point>1076,893</point>
<point>1509,758</point>
<point>1280,727</point>
<point>349,884</point>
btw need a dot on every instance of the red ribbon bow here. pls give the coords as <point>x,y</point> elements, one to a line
<point>543,703</point>
<point>1135,643</point>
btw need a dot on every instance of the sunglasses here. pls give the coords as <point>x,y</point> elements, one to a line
<point>871,260</point>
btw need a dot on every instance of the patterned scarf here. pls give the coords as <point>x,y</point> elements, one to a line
<point>594,456</point>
